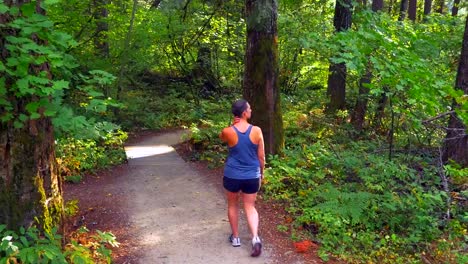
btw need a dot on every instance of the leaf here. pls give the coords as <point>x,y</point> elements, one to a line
<point>23,85</point>
<point>60,85</point>
<point>3,8</point>
<point>35,116</point>
<point>17,124</point>
<point>32,107</point>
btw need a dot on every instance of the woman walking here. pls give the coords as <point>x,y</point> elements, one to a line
<point>243,172</point>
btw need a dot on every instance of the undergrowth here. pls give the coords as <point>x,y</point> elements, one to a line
<point>359,201</point>
<point>30,246</point>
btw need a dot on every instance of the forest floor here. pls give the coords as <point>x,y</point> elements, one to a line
<point>163,209</point>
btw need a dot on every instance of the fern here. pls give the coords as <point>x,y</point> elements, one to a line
<point>345,205</point>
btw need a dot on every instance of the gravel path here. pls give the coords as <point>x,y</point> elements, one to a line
<point>178,216</point>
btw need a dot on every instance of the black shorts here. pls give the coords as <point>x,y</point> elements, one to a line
<point>249,186</point>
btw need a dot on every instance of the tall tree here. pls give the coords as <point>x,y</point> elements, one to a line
<point>456,140</point>
<point>455,7</point>
<point>377,5</point>
<point>30,187</point>
<point>440,4</point>
<point>427,7</point>
<point>359,113</point>
<point>412,9</point>
<point>337,71</point>
<point>403,10</point>
<point>100,38</point>
<point>261,71</point>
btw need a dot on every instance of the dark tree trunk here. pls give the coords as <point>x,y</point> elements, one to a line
<point>427,7</point>
<point>377,5</point>
<point>380,111</point>
<point>337,71</point>
<point>261,71</point>
<point>403,10</point>
<point>412,9</point>
<point>440,4</point>
<point>155,3</point>
<point>455,7</point>
<point>100,39</point>
<point>203,72</point>
<point>359,113</point>
<point>360,109</point>
<point>456,141</point>
<point>30,187</point>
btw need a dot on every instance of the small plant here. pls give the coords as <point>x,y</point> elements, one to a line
<point>71,207</point>
<point>30,246</point>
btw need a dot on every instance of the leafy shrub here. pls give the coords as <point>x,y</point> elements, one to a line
<point>76,156</point>
<point>31,246</point>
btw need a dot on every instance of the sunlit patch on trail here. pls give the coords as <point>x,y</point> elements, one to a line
<point>147,151</point>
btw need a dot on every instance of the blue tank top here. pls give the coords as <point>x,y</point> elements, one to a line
<point>242,162</point>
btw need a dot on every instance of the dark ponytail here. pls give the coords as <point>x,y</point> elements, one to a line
<point>238,107</point>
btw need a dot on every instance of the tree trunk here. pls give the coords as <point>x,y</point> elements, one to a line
<point>100,39</point>
<point>455,7</point>
<point>412,9</point>
<point>377,5</point>
<point>427,7</point>
<point>30,187</point>
<point>337,71</point>
<point>403,10</point>
<point>261,71</point>
<point>360,109</point>
<point>155,3</point>
<point>359,113</point>
<point>456,141</point>
<point>440,4</point>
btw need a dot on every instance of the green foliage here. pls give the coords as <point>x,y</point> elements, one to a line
<point>31,246</point>
<point>77,156</point>
<point>23,73</point>
<point>71,208</point>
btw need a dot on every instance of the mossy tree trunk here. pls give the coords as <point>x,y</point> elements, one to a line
<point>337,71</point>
<point>30,187</point>
<point>456,141</point>
<point>101,40</point>
<point>261,71</point>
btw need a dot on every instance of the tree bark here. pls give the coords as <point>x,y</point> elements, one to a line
<point>155,3</point>
<point>30,186</point>
<point>412,10</point>
<point>377,5</point>
<point>440,4</point>
<point>260,83</point>
<point>427,7</point>
<point>100,39</point>
<point>456,140</point>
<point>359,113</point>
<point>403,10</point>
<point>455,7</point>
<point>337,71</point>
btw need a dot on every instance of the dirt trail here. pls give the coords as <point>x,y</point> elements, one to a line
<point>178,216</point>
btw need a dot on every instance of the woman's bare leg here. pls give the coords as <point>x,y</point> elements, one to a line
<point>251,212</point>
<point>233,212</point>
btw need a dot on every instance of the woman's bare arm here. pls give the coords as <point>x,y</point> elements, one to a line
<point>261,151</point>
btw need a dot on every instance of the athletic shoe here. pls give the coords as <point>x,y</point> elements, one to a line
<point>256,247</point>
<point>235,241</point>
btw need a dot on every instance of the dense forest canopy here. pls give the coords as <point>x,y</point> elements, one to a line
<point>367,115</point>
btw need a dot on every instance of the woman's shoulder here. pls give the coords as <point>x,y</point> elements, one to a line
<point>256,129</point>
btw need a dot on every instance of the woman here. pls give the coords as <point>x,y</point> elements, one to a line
<point>243,171</point>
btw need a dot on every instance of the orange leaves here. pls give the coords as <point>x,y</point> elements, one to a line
<point>304,246</point>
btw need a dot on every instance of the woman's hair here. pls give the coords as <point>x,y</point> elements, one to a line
<point>238,107</point>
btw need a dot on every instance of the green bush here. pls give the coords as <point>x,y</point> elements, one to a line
<point>31,247</point>
<point>76,156</point>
